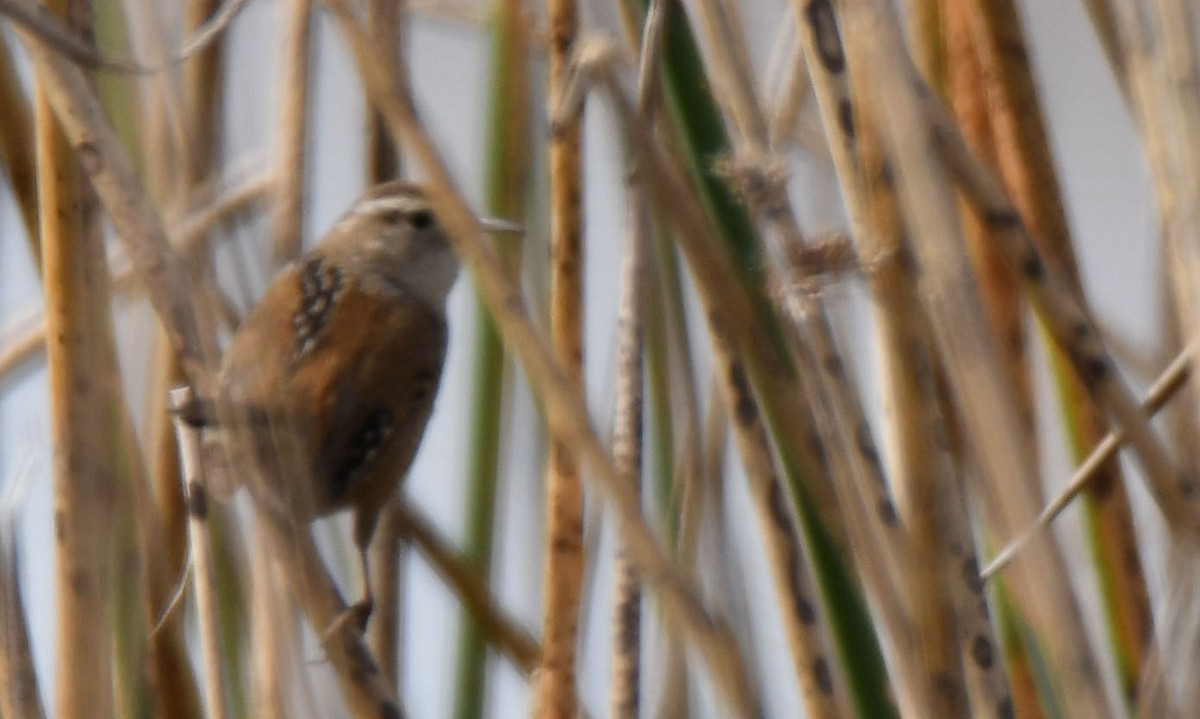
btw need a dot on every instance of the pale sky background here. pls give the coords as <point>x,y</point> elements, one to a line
<point>1110,211</point>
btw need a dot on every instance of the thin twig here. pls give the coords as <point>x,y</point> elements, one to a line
<point>501,629</point>
<point>1168,383</point>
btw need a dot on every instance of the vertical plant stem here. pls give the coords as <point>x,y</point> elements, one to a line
<point>554,693</point>
<point>1000,293</point>
<point>505,188</point>
<point>292,129</point>
<point>387,20</point>
<point>625,694</point>
<point>81,369</point>
<point>1026,167</point>
<point>202,559</point>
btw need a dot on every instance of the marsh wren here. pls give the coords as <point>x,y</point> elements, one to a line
<point>330,380</point>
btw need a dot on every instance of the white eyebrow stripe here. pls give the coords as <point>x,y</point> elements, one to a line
<point>379,205</point>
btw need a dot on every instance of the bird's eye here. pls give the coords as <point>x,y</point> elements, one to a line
<point>421,219</point>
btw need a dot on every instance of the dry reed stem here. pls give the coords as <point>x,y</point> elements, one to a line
<point>1027,169</point>
<point>137,223</point>
<point>790,102</point>
<point>385,634</point>
<point>1163,38</point>
<point>19,694</point>
<point>554,693</point>
<point>204,571</point>
<point>882,544</point>
<point>950,595</point>
<point>82,385</point>
<point>500,628</point>
<point>1174,490</point>
<point>367,692</point>
<point>953,304</point>
<point>68,44</point>
<point>998,286</point>
<point>16,152</point>
<point>274,639</point>
<point>1003,305</point>
<point>924,484</point>
<point>386,20</point>
<point>795,594</point>
<point>185,168</point>
<point>566,412</point>
<point>1172,379</point>
<point>291,130</point>
<point>625,679</point>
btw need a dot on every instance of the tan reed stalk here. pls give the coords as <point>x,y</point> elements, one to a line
<point>196,493</point>
<point>1162,42</point>
<point>273,642</point>
<point>16,152</point>
<point>927,480</point>
<point>1027,169</point>
<point>498,626</point>
<point>554,692</point>
<point>387,20</point>
<point>975,377</point>
<point>1004,308</point>
<point>368,694</point>
<point>890,583</point>
<point>791,102</point>
<point>1175,490</point>
<point>566,412</point>
<point>385,634</point>
<point>180,158</point>
<point>83,386</point>
<point>291,129</point>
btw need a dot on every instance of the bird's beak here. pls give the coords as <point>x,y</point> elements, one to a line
<point>495,224</point>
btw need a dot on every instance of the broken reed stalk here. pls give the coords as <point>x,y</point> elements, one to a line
<point>566,412</point>
<point>195,493</point>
